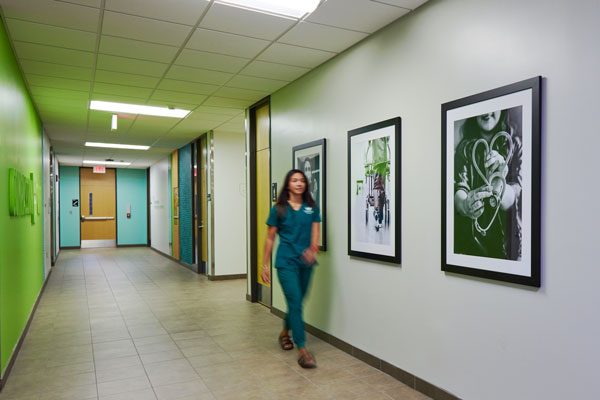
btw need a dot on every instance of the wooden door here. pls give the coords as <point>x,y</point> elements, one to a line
<point>98,205</point>
<point>203,166</point>
<point>175,202</point>
<point>263,199</point>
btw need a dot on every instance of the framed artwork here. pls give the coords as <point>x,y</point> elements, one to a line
<point>374,191</point>
<point>310,158</point>
<point>491,184</point>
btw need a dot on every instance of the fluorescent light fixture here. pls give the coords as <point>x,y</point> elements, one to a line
<point>106,162</point>
<point>117,146</point>
<point>137,109</point>
<point>113,125</point>
<point>291,8</point>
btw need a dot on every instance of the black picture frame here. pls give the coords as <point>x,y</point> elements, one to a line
<point>505,246</point>
<point>314,155</point>
<point>374,191</point>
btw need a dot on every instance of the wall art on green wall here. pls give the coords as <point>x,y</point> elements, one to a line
<point>22,195</point>
<point>374,191</point>
<point>491,184</point>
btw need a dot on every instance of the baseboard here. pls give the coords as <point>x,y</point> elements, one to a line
<point>248,297</point>
<point>226,277</point>
<point>193,268</point>
<point>68,248</point>
<point>132,245</point>
<point>17,349</point>
<point>403,376</point>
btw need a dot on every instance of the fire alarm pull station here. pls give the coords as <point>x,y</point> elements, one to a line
<point>128,210</point>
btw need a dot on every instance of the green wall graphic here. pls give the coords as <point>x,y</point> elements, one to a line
<point>21,241</point>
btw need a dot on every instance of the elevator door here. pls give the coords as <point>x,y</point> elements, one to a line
<point>98,208</point>
<point>263,198</point>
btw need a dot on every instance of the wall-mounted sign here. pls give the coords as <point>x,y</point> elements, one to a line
<point>21,194</point>
<point>75,202</point>
<point>99,169</point>
<point>274,192</point>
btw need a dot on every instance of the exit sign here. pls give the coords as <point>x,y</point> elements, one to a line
<point>99,169</point>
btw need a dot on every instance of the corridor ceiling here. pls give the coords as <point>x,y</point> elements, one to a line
<point>199,55</point>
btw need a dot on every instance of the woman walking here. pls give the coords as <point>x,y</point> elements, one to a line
<point>296,219</point>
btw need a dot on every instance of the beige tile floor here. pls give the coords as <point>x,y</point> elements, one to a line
<point>129,324</point>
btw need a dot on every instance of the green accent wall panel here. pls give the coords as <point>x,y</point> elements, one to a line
<point>21,237</point>
<point>186,219</point>
<point>68,178</point>
<point>132,189</point>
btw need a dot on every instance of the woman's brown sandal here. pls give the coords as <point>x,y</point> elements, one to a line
<point>285,342</point>
<point>307,361</point>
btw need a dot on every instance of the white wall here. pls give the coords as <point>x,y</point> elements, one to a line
<point>160,224</point>
<point>46,198</point>
<point>229,203</point>
<point>478,339</point>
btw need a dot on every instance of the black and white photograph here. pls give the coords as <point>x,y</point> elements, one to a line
<point>310,159</point>
<point>491,184</point>
<point>374,191</point>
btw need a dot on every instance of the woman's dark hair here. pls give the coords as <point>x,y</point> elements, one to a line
<point>284,195</point>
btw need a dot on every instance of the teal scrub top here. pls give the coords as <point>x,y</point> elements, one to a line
<point>295,231</point>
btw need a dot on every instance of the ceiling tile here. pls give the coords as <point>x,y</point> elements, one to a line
<point>146,124</point>
<point>89,3</point>
<point>57,83</point>
<point>187,87</point>
<point>212,118</point>
<point>176,104</point>
<point>149,30</point>
<point>225,102</point>
<point>216,110</point>
<point>117,46</point>
<point>167,96</point>
<point>242,94</point>
<point>61,71</point>
<point>237,20</point>
<point>43,101</point>
<point>226,43</point>
<point>131,66</point>
<point>264,69</point>
<point>188,130</point>
<point>122,90</point>
<point>322,37</point>
<point>358,15</point>
<point>55,55</point>
<point>34,32</point>
<point>198,75</point>
<point>217,62</point>
<point>57,13</point>
<point>294,55</point>
<point>117,98</point>
<point>125,79</point>
<point>179,11</point>
<point>100,122</point>
<point>410,4</point>
<point>250,82</point>
<point>59,93</point>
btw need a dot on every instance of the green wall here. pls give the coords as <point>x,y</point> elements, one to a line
<point>21,241</point>
<point>69,215</point>
<point>132,188</point>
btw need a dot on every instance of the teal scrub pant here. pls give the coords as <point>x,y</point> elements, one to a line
<point>294,282</point>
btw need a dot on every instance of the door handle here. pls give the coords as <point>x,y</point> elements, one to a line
<point>82,218</point>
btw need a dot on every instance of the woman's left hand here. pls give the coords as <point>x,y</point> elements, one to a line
<point>495,162</point>
<point>309,256</point>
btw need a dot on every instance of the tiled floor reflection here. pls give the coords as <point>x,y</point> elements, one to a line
<point>118,324</point>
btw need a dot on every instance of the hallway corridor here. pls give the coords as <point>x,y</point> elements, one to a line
<point>131,324</point>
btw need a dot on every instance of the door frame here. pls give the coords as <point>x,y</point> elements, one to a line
<point>202,268</point>
<point>253,192</point>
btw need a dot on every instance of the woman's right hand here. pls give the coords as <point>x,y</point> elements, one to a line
<point>473,204</point>
<point>265,274</point>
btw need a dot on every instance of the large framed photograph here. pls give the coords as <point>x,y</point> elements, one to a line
<point>374,191</point>
<point>491,184</point>
<point>310,158</point>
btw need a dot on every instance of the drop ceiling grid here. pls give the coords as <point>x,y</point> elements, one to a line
<point>147,64</point>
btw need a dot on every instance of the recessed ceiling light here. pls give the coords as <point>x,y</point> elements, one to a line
<point>106,162</point>
<point>291,8</point>
<point>117,146</point>
<point>113,124</point>
<point>138,109</point>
